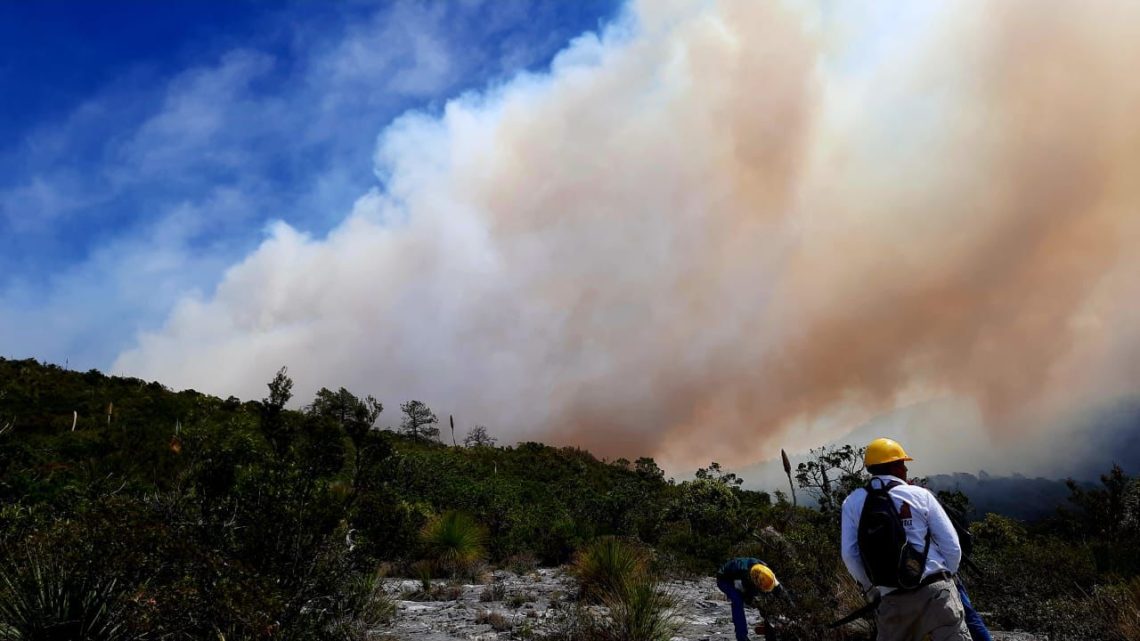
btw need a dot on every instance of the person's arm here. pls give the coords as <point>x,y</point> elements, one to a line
<point>750,594</point>
<point>942,533</point>
<point>849,543</point>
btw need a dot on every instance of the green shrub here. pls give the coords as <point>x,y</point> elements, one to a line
<point>388,528</point>
<point>608,566</point>
<point>455,542</point>
<point>709,506</point>
<point>704,520</point>
<point>1041,584</point>
<point>45,598</point>
<point>640,612</point>
<point>1121,606</point>
<point>358,607</point>
<point>331,601</point>
<point>996,531</point>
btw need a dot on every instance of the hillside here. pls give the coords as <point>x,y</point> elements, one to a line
<point>180,515</point>
<point>1017,496</point>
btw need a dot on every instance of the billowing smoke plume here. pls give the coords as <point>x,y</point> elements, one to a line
<point>715,229</point>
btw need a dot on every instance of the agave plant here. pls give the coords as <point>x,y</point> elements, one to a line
<point>455,542</point>
<point>46,599</point>
<point>608,567</point>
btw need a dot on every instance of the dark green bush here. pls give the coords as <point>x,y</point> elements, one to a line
<point>388,528</point>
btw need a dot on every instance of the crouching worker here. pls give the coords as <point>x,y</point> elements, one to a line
<point>742,580</point>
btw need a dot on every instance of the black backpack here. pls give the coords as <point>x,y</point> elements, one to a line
<point>889,559</point>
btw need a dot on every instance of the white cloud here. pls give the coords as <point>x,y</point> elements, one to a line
<point>203,111</point>
<point>213,152</point>
<point>406,52</point>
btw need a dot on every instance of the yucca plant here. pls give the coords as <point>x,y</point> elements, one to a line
<point>455,542</point>
<point>359,608</point>
<point>43,598</point>
<point>641,611</point>
<point>371,605</point>
<point>423,571</point>
<point>607,567</point>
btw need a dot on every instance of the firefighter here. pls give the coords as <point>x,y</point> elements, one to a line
<point>742,580</point>
<point>897,541</point>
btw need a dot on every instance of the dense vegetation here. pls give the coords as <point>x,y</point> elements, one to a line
<point>131,511</point>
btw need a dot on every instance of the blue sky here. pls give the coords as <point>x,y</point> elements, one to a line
<point>144,146</point>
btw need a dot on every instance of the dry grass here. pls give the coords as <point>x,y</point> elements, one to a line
<point>493,592</point>
<point>497,621</point>
<point>1121,604</point>
<point>521,564</point>
<point>519,599</point>
<point>434,592</point>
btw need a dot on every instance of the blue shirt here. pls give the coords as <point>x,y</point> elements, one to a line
<point>738,571</point>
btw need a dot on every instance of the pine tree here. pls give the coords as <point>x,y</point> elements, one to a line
<point>419,421</point>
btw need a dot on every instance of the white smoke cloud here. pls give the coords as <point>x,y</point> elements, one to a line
<point>717,227</point>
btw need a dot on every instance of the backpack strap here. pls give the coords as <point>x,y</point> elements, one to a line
<point>884,486</point>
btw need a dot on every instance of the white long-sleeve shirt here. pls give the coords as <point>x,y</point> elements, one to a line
<point>925,513</point>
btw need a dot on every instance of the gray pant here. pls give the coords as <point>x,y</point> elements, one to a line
<point>933,609</point>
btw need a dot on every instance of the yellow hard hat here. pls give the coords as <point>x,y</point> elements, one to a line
<point>763,577</point>
<point>884,450</point>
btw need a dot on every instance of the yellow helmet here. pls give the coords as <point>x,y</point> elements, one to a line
<point>884,450</point>
<point>763,577</point>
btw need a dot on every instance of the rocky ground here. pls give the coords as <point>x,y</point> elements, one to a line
<point>522,606</point>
